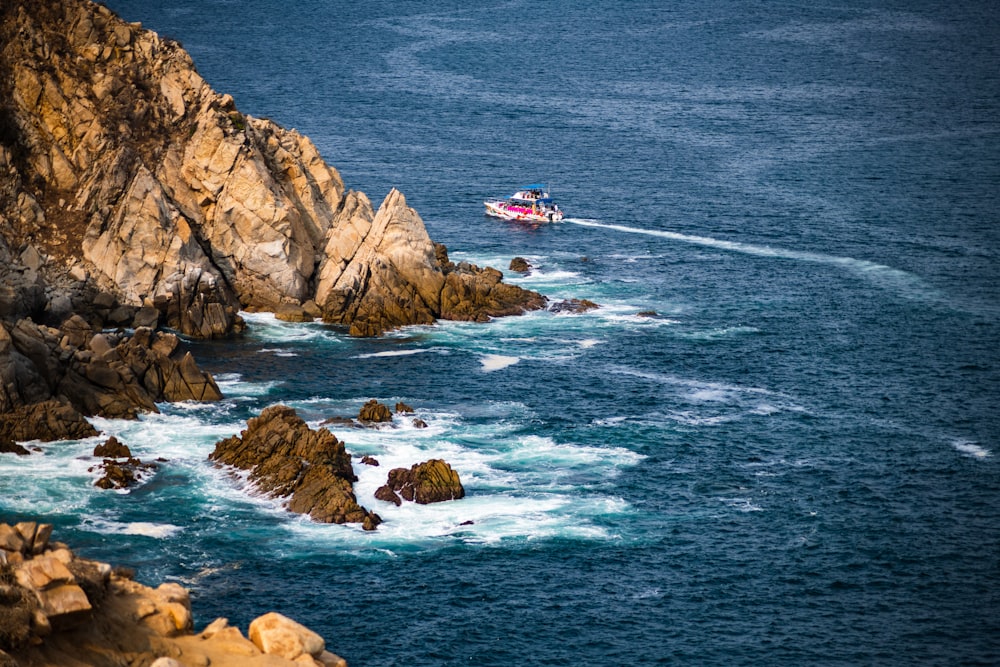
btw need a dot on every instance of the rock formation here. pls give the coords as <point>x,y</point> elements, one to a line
<point>59,609</point>
<point>432,481</point>
<point>374,412</point>
<point>520,265</point>
<point>287,459</point>
<point>123,167</point>
<point>90,373</point>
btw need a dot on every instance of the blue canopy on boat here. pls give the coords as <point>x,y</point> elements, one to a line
<point>536,186</point>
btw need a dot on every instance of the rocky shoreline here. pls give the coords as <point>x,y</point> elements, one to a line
<point>57,608</point>
<point>139,206</point>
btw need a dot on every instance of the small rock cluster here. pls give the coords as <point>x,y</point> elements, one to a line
<point>121,469</point>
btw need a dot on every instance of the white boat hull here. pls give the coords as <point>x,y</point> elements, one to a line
<point>501,209</point>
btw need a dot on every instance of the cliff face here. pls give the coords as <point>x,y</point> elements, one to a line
<point>119,160</point>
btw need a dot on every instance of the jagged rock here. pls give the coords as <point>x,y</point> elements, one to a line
<point>573,306</point>
<point>113,449</point>
<point>11,447</point>
<point>382,271</point>
<point>428,482</point>
<point>520,265</point>
<point>403,409</point>
<point>374,412</point>
<point>290,312</point>
<point>147,316</point>
<point>288,459</point>
<point>476,295</point>
<point>46,421</point>
<point>419,423</point>
<point>369,461</point>
<point>111,376</point>
<point>122,474</point>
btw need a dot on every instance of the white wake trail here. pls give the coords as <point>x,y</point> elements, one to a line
<point>906,284</point>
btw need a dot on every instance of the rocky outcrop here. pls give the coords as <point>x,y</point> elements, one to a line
<point>121,162</point>
<point>287,459</point>
<point>121,469</point>
<point>432,481</point>
<point>59,609</point>
<point>112,375</point>
<point>46,421</point>
<point>520,265</point>
<point>374,412</point>
<point>382,271</point>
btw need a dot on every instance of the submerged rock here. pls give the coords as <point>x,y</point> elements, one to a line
<point>573,306</point>
<point>428,482</point>
<point>287,459</point>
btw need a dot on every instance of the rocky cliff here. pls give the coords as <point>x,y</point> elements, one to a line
<point>122,167</point>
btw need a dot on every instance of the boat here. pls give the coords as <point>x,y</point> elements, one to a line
<point>531,203</point>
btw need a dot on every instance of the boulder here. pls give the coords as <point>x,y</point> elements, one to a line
<point>287,459</point>
<point>369,461</point>
<point>520,265</point>
<point>374,412</point>
<point>112,449</point>
<point>428,482</point>
<point>290,312</point>
<point>403,409</point>
<point>275,634</point>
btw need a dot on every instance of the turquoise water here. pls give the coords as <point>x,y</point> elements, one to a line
<point>794,462</point>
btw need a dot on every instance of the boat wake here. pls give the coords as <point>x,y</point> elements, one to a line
<point>906,284</point>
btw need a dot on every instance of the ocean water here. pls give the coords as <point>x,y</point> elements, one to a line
<point>796,461</point>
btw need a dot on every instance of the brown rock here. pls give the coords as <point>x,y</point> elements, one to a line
<point>288,459</point>
<point>46,421</point>
<point>428,482</point>
<point>520,265</point>
<point>113,449</point>
<point>403,409</point>
<point>369,461</point>
<point>373,411</point>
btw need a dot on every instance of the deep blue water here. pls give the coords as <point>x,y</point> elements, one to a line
<point>795,462</point>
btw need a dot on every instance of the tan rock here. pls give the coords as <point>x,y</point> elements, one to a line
<point>275,634</point>
<point>43,573</point>
<point>64,604</point>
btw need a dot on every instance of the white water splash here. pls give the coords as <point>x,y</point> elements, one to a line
<point>971,449</point>
<point>495,362</point>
